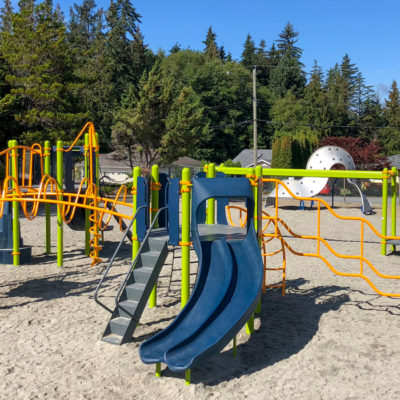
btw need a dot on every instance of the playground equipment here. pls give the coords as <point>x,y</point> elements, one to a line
<point>227,288</point>
<point>230,261</point>
<point>29,181</point>
<point>323,159</point>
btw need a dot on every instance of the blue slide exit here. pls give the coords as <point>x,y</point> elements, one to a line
<point>226,292</point>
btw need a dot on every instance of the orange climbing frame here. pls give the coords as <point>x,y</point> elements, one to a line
<point>278,224</point>
<point>30,196</point>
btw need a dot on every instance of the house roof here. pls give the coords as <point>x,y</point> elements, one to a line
<point>395,160</point>
<point>186,162</point>
<point>114,163</point>
<point>246,157</point>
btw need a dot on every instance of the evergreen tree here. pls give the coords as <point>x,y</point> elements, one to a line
<point>263,64</point>
<point>40,73</point>
<point>287,76</point>
<point>186,126</point>
<point>175,48</point>
<point>315,103</point>
<point>273,56</point>
<point>85,26</point>
<point>211,48</point>
<point>287,43</point>
<point>249,58</point>
<point>390,136</point>
<point>122,25</point>
<point>289,117</point>
<point>141,127</point>
<point>6,15</point>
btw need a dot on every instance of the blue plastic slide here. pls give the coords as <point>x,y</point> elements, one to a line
<point>226,292</point>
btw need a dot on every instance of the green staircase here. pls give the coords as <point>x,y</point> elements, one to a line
<point>133,299</point>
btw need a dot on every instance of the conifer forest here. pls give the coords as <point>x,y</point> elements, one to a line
<point>59,71</point>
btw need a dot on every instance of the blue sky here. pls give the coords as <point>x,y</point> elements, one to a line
<point>368,30</point>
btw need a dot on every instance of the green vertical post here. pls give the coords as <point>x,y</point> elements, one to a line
<point>210,202</point>
<point>185,283</point>
<point>393,182</point>
<point>47,171</point>
<point>187,377</point>
<point>60,185</point>
<point>154,208</point>
<point>384,209</point>
<point>158,370</point>
<point>96,154</point>
<point>250,322</point>
<point>15,204</point>
<point>234,347</point>
<point>87,211</point>
<point>135,242</point>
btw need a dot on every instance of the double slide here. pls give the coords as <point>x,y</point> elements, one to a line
<point>227,289</point>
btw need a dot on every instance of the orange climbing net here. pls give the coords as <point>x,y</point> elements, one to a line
<point>278,224</point>
<point>18,186</point>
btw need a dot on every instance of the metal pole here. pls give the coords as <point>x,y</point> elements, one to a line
<point>15,204</point>
<point>60,184</point>
<point>135,242</point>
<point>185,284</point>
<point>154,209</point>
<point>255,115</point>
<point>47,155</point>
<point>87,211</point>
<point>393,207</point>
<point>384,209</point>
<point>211,202</point>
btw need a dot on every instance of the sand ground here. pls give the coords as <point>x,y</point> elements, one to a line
<point>330,337</point>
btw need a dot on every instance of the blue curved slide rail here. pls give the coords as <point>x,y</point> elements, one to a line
<point>226,292</point>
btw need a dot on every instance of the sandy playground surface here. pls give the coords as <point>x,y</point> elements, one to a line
<point>330,337</point>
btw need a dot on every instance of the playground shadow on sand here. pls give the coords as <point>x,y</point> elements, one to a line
<point>287,325</point>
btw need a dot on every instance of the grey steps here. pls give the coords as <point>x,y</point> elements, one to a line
<point>132,302</point>
<point>394,242</point>
<point>135,291</point>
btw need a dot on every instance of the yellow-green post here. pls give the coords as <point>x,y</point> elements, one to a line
<point>15,204</point>
<point>47,171</point>
<point>97,152</point>
<point>60,185</point>
<point>234,353</point>
<point>187,377</point>
<point>154,208</point>
<point>185,284</point>
<point>87,211</point>
<point>393,181</point>
<point>158,370</point>
<point>250,322</point>
<point>384,209</point>
<point>210,202</point>
<point>135,242</point>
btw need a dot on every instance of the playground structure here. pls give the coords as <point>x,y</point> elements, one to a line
<point>322,159</point>
<point>154,224</point>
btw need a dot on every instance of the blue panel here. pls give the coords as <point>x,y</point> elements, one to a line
<point>68,167</point>
<point>142,200</point>
<point>162,199</point>
<point>203,207</point>
<point>173,211</point>
<point>221,204</point>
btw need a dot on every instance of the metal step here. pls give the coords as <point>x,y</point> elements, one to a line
<point>112,338</point>
<point>134,291</point>
<point>127,308</point>
<point>142,274</point>
<point>119,325</point>
<point>134,297</point>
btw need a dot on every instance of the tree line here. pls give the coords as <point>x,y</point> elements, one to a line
<point>55,74</point>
